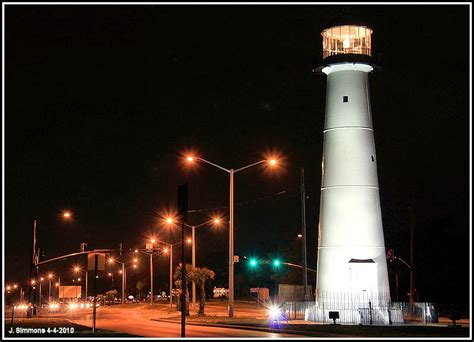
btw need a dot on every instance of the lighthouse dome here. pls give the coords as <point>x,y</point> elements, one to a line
<point>347,39</point>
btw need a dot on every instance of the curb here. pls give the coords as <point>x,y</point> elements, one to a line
<point>257,328</point>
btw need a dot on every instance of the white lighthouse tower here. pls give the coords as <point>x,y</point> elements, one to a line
<point>352,273</point>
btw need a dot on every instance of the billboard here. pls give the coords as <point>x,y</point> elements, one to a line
<point>70,291</point>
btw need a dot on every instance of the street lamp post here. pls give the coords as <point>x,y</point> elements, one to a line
<point>193,241</point>
<point>40,293</point>
<point>170,249</point>
<point>151,278</point>
<point>216,221</point>
<point>151,268</point>
<point>124,275</point>
<point>231,172</point>
<point>58,285</point>
<point>78,269</point>
<point>193,259</point>
<point>50,276</point>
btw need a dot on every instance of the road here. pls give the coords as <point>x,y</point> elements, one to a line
<point>136,321</point>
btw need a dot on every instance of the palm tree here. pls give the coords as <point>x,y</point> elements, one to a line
<point>177,276</point>
<point>200,275</point>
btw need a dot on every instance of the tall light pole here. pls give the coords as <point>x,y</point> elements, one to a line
<point>151,270</point>
<point>77,269</point>
<point>50,276</point>
<point>215,221</point>
<point>124,275</point>
<point>303,226</point>
<point>58,285</point>
<point>231,172</point>
<point>40,293</point>
<point>169,249</point>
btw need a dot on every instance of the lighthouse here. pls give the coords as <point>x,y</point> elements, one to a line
<point>352,269</point>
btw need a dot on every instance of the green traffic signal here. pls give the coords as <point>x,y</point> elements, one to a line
<point>276,263</point>
<point>253,262</point>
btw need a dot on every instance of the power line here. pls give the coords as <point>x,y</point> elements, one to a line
<point>241,203</point>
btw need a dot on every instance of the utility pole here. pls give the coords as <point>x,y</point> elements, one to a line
<point>303,226</point>
<point>32,265</point>
<point>151,277</point>
<point>412,260</point>
<point>183,217</point>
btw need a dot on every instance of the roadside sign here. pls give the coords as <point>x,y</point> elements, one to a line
<point>236,258</point>
<point>100,261</point>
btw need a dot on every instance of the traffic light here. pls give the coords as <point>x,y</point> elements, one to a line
<point>120,248</point>
<point>276,262</point>
<point>41,255</point>
<point>253,262</point>
<point>390,255</point>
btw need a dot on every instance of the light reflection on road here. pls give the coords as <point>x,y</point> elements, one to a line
<point>131,321</point>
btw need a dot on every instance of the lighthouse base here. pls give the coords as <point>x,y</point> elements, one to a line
<point>354,313</point>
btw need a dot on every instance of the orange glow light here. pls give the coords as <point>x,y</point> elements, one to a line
<point>169,220</point>
<point>188,240</point>
<point>67,214</point>
<point>153,240</point>
<point>190,159</point>
<point>166,250</point>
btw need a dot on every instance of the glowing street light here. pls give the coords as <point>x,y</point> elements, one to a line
<point>66,215</point>
<point>272,162</point>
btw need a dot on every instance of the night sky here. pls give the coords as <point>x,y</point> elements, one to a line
<point>100,101</point>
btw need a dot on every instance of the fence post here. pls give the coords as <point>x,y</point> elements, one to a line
<point>370,312</point>
<point>390,313</point>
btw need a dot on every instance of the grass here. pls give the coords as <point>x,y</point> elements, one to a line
<point>42,324</point>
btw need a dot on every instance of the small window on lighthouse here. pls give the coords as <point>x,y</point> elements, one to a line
<point>373,159</point>
<point>345,99</point>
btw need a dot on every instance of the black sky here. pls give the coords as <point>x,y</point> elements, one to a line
<point>100,101</point>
